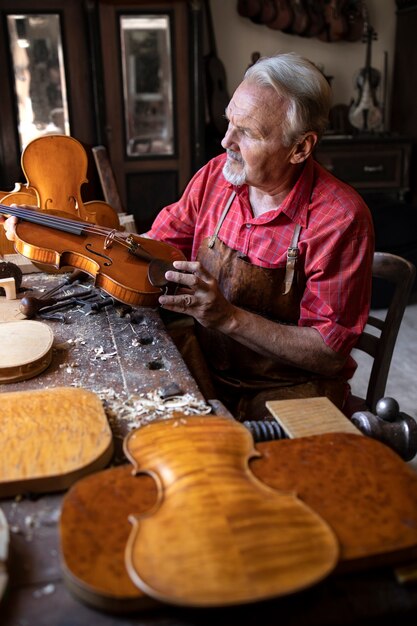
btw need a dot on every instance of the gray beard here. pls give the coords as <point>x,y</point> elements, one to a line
<point>234,178</point>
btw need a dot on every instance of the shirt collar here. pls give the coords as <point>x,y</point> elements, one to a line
<point>296,204</point>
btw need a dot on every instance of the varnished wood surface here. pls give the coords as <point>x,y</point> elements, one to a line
<point>37,588</point>
<point>217,535</point>
<point>347,480</point>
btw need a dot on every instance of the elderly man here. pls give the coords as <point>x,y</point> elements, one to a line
<point>280,252</point>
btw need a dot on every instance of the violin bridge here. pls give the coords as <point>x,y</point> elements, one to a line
<point>108,242</point>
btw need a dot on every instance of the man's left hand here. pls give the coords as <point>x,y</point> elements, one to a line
<point>198,295</point>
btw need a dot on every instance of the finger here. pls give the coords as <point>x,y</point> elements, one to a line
<point>181,303</point>
<point>188,281</point>
<point>187,266</point>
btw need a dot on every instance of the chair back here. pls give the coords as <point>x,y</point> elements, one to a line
<point>400,273</point>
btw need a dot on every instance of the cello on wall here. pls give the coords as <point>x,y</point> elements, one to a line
<point>365,113</point>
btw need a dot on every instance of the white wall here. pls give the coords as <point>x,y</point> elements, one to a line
<point>237,38</point>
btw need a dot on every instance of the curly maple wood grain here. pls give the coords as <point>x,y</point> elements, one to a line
<point>218,536</point>
<point>51,438</point>
<point>364,491</point>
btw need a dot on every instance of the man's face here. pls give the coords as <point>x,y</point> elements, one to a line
<point>253,141</point>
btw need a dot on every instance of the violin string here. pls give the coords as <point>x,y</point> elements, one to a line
<point>53,221</point>
<point>45,218</point>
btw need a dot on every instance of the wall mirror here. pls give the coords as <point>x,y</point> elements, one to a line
<point>147,84</point>
<point>39,75</point>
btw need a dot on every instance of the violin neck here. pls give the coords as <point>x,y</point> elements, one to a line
<point>43,218</point>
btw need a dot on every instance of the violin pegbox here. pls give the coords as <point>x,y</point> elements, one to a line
<point>217,535</point>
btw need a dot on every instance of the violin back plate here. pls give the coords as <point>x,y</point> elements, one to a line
<point>359,485</point>
<point>346,479</point>
<point>219,536</point>
<point>50,439</point>
<point>94,528</point>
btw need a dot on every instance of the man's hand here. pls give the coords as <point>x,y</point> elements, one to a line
<point>9,226</point>
<point>198,295</point>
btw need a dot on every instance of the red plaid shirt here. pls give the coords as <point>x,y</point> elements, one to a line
<point>336,242</point>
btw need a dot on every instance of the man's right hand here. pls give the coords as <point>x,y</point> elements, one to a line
<point>9,225</point>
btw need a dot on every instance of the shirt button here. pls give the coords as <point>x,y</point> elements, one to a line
<point>248,225</point>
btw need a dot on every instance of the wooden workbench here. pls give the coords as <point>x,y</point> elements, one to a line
<point>116,358</point>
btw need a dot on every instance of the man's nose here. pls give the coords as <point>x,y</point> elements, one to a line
<point>228,140</point>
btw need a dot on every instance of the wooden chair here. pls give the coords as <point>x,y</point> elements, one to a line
<point>399,274</point>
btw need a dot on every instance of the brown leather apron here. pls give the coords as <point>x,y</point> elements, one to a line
<point>243,379</point>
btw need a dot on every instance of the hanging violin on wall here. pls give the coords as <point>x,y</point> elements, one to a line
<point>365,113</point>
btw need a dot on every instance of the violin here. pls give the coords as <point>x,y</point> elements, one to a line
<point>301,18</point>
<point>128,267</point>
<point>283,16</point>
<point>355,12</point>
<point>55,168</point>
<point>335,27</point>
<point>316,25</point>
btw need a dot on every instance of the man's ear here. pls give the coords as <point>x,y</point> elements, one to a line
<point>303,148</point>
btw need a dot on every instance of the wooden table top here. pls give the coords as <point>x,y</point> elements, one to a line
<point>118,359</point>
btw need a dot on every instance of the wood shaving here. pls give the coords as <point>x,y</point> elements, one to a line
<point>138,410</point>
<point>100,354</point>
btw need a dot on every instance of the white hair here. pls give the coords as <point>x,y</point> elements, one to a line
<point>302,85</point>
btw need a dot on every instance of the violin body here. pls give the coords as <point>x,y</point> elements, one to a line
<point>316,21</point>
<point>55,167</point>
<point>283,16</point>
<point>355,12</point>
<point>249,8</point>
<point>301,18</point>
<point>335,27</point>
<point>119,263</point>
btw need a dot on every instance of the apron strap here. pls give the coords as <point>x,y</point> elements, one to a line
<point>292,255</point>
<point>221,220</point>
